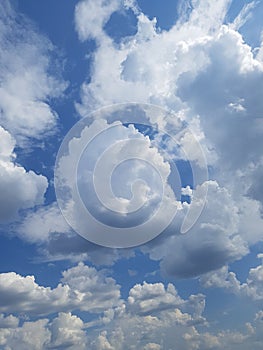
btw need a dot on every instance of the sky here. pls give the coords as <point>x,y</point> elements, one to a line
<point>131,174</point>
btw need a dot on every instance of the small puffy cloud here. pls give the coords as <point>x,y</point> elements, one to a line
<point>253,286</point>
<point>154,300</point>
<point>102,342</point>
<point>143,323</point>
<point>221,279</point>
<point>187,191</point>
<point>39,225</point>
<point>90,17</point>
<point>55,239</point>
<point>147,299</point>
<point>20,189</point>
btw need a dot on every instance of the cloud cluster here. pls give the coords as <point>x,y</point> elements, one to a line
<point>28,83</point>
<point>153,316</point>
<point>81,288</point>
<point>202,69</point>
<point>130,322</point>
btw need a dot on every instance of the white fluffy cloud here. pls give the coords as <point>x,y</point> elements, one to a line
<point>202,69</point>
<point>90,17</point>
<point>31,335</point>
<point>212,242</point>
<point>214,61</point>
<point>112,185</point>
<point>40,224</point>
<point>67,332</point>
<point>20,189</point>
<point>149,310</point>
<point>146,67</point>
<point>26,84</point>
<point>223,278</point>
<point>152,317</point>
<point>82,288</point>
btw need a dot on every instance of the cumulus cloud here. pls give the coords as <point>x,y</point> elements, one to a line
<point>27,87</point>
<point>33,335</point>
<point>26,82</point>
<point>67,332</point>
<point>56,240</point>
<point>202,69</point>
<point>146,67</point>
<point>223,278</point>
<point>138,321</point>
<point>212,60</point>
<point>81,288</point>
<point>40,224</point>
<point>64,331</point>
<point>152,317</point>
<point>120,193</point>
<point>62,246</point>
<point>9,321</point>
<point>227,80</point>
<point>147,298</point>
<point>90,17</point>
<point>20,189</point>
<point>212,242</point>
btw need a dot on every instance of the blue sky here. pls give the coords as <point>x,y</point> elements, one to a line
<point>130,174</point>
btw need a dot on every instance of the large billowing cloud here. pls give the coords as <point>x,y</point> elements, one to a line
<point>202,69</point>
